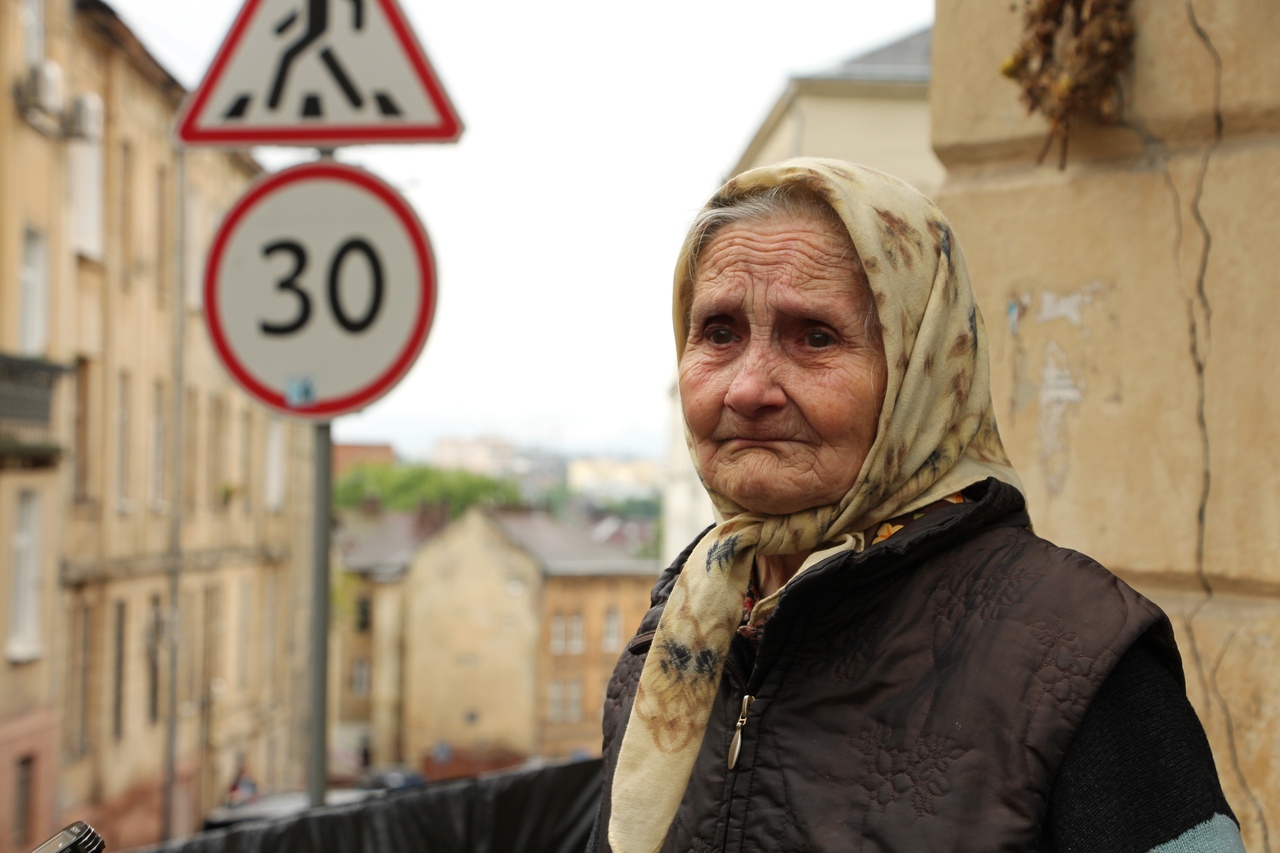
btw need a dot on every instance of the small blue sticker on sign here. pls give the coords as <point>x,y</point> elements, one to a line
<point>300,391</point>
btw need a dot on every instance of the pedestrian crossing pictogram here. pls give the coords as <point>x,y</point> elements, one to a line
<point>319,72</point>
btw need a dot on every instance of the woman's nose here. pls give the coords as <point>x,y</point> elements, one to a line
<point>755,386</point>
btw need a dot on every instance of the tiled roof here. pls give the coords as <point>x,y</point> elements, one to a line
<point>568,549</point>
<point>382,541</point>
<point>907,60</point>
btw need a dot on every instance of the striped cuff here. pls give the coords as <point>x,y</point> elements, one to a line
<point>1219,834</point>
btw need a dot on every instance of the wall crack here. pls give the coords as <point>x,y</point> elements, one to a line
<point>1199,323</point>
<point>1199,313</point>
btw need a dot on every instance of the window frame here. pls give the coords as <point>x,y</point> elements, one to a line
<point>26,593</point>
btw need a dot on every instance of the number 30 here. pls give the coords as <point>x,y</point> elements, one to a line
<point>291,284</point>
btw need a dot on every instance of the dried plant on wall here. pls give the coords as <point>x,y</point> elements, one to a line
<point>1069,63</point>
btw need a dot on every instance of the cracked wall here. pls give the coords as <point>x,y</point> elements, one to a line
<point>1135,368</point>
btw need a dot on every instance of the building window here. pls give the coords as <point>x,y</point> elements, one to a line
<point>158,472</point>
<point>77,717</point>
<point>574,644</point>
<point>191,451</point>
<point>163,236</point>
<point>122,443</point>
<point>364,614</point>
<point>213,632</point>
<point>269,636</point>
<point>243,633</point>
<point>217,485</point>
<point>33,326</point>
<point>557,634</point>
<point>127,254</point>
<point>189,625</point>
<point>117,671</point>
<point>573,702</point>
<point>555,702</point>
<point>273,482</point>
<point>611,637</point>
<point>24,801</point>
<point>155,634</point>
<point>25,600</point>
<point>80,459</point>
<point>32,17</point>
<point>194,251</point>
<point>246,461</point>
<point>86,179</point>
<point>360,678</point>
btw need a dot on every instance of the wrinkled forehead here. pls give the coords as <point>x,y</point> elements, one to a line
<point>897,234</point>
<point>781,246</point>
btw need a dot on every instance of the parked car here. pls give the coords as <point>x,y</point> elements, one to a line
<point>391,778</point>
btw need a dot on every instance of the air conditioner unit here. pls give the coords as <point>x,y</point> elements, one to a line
<point>43,88</point>
<point>85,119</point>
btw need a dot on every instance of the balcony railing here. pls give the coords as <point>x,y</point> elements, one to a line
<point>26,404</point>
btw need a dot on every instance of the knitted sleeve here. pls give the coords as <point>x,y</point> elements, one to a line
<point>1139,775</point>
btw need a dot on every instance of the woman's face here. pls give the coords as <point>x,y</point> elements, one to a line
<point>780,381</point>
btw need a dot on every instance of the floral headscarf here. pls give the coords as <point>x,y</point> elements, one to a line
<point>936,435</point>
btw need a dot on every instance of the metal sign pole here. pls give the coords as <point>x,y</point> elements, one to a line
<point>317,759</point>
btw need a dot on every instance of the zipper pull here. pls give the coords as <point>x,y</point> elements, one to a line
<point>735,745</point>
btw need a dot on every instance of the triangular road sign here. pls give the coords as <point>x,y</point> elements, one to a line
<point>319,73</point>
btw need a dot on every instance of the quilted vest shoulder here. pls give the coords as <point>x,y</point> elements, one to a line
<point>934,719</point>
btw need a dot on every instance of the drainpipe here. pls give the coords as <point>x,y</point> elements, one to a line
<point>173,631</point>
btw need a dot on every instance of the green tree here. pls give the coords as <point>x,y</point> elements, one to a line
<point>405,487</point>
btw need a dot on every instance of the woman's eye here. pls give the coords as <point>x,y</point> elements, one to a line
<point>719,335</point>
<point>818,339</point>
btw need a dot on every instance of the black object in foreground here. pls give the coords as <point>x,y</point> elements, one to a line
<point>548,809</point>
<point>79,837</point>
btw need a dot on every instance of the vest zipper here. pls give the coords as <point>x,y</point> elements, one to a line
<point>735,745</point>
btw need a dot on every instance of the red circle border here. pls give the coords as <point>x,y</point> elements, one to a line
<point>258,192</point>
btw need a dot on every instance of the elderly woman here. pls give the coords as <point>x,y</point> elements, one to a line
<point>871,650</point>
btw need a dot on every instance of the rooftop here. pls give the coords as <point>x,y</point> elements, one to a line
<point>383,542</point>
<point>568,549</point>
<point>907,60</point>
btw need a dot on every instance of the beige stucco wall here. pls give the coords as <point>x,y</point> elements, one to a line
<point>244,593</point>
<point>1128,301</point>
<point>471,621</point>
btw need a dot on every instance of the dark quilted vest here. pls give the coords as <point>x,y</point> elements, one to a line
<point>919,696</point>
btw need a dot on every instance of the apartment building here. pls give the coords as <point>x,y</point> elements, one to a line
<point>512,623</point>
<point>120,461</point>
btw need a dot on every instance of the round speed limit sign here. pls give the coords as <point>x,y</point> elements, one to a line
<point>319,290</point>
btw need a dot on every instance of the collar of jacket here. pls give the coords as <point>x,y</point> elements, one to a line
<point>992,504</point>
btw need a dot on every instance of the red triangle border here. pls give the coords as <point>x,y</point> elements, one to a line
<point>449,129</point>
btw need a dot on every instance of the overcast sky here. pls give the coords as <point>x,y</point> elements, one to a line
<point>594,131</point>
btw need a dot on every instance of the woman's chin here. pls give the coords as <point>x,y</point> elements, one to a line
<point>771,499</point>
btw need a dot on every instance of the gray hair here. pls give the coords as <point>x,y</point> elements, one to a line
<point>787,201</point>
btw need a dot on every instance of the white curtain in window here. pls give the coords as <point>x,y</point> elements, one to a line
<point>24,597</point>
<point>34,326</point>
